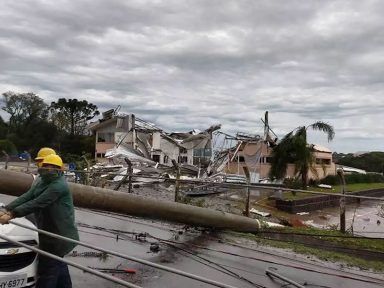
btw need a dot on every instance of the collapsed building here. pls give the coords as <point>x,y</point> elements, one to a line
<point>255,151</point>
<point>120,135</point>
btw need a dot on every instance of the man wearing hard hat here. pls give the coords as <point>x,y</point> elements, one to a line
<point>51,202</point>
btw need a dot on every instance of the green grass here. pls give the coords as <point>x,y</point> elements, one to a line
<point>345,259</point>
<point>328,235</point>
<point>335,189</point>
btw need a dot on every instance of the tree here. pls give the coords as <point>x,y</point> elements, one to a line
<point>370,161</point>
<point>72,115</point>
<point>23,108</point>
<point>294,149</point>
<point>3,128</point>
<point>7,146</point>
<point>28,127</point>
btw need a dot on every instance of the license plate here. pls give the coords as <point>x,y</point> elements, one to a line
<point>13,281</point>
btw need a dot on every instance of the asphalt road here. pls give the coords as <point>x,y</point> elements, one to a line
<point>246,269</point>
<point>233,265</point>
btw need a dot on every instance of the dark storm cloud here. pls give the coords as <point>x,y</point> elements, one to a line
<point>191,64</point>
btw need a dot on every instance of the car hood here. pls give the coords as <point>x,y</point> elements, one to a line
<point>14,231</point>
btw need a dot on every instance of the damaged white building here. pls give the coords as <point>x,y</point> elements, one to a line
<point>146,140</point>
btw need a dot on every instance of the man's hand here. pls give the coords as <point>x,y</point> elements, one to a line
<point>4,219</point>
<point>5,211</point>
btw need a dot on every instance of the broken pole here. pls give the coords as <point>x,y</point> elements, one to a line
<point>16,183</point>
<point>177,182</point>
<point>246,172</point>
<point>340,173</point>
<point>128,175</point>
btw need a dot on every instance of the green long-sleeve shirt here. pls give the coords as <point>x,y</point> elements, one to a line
<point>51,202</point>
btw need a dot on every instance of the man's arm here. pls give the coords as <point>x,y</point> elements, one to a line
<point>47,197</point>
<point>27,196</point>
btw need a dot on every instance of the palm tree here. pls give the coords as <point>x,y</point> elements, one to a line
<point>293,148</point>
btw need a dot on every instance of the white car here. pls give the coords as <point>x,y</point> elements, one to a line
<point>18,265</point>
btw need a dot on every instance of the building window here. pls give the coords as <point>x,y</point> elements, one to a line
<point>321,161</point>
<point>202,152</point>
<point>183,150</point>
<point>156,158</point>
<point>239,159</point>
<point>100,155</point>
<point>182,159</point>
<point>201,156</point>
<point>106,137</point>
<point>165,159</point>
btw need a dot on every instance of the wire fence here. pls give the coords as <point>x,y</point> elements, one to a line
<point>189,183</point>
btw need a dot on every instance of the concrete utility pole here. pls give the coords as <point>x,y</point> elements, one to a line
<point>340,172</point>
<point>16,183</point>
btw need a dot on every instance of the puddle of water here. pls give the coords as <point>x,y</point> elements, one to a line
<point>364,217</point>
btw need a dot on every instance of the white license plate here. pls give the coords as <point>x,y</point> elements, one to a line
<point>13,281</point>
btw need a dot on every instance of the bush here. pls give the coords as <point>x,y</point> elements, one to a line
<point>330,180</point>
<point>353,178</point>
<point>293,183</point>
<point>313,182</point>
<point>8,147</point>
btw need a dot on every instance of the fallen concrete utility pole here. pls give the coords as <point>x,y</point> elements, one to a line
<point>16,183</point>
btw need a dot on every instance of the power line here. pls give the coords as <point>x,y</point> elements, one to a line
<point>124,217</point>
<point>71,263</point>
<point>218,267</point>
<point>162,267</point>
<point>287,265</point>
<point>174,243</point>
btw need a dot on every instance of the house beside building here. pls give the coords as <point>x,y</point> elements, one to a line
<point>150,141</point>
<point>256,155</point>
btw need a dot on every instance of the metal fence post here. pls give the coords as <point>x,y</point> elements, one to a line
<point>28,161</point>
<point>177,182</point>
<point>6,160</point>
<point>88,168</point>
<point>247,175</point>
<point>130,172</point>
<point>340,173</point>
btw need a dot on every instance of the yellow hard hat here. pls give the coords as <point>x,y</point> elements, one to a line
<point>53,159</point>
<point>43,152</point>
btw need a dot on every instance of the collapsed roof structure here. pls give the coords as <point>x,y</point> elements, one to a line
<point>121,135</point>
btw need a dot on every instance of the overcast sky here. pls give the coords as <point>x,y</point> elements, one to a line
<point>191,64</point>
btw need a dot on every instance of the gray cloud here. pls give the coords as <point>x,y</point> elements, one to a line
<point>191,64</point>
